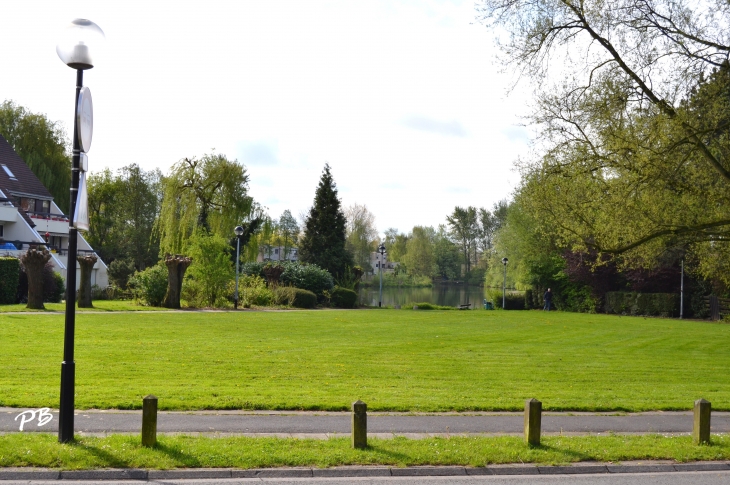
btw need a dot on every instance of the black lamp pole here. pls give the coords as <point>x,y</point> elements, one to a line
<point>68,366</point>
<point>381,250</point>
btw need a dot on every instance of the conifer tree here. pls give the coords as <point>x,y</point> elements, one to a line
<point>323,242</point>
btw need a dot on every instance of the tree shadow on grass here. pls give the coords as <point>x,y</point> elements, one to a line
<point>578,456</point>
<point>396,457</point>
<point>110,460</point>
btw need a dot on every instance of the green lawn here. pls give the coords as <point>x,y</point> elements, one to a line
<point>99,306</point>
<point>391,359</point>
<point>119,451</point>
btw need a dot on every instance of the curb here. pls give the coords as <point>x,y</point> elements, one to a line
<point>356,471</point>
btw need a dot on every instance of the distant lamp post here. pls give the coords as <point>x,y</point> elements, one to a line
<point>681,292</point>
<point>381,250</point>
<point>504,285</point>
<point>239,232</point>
<point>76,48</point>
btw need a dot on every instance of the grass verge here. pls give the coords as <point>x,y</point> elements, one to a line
<point>391,359</point>
<point>99,306</point>
<point>123,451</point>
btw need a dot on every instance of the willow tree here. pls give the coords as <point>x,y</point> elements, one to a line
<point>42,144</point>
<point>632,103</point>
<point>210,193</point>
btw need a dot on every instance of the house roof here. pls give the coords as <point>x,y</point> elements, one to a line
<point>25,182</point>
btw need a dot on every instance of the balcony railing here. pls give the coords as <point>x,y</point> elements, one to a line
<point>22,245</point>
<point>48,216</point>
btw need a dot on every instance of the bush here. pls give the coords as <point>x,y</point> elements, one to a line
<point>252,290</point>
<point>119,272</point>
<point>343,298</point>
<point>431,306</point>
<point>648,304</point>
<point>304,298</point>
<point>54,286</point>
<point>530,299</point>
<point>9,279</point>
<point>150,285</point>
<point>514,300</point>
<point>299,275</point>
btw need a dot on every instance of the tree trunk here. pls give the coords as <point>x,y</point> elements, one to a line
<point>87,264</point>
<point>176,264</point>
<point>273,272</point>
<point>33,261</point>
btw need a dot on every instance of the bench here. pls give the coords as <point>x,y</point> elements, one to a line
<point>465,306</point>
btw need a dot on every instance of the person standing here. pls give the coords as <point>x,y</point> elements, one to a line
<point>548,297</point>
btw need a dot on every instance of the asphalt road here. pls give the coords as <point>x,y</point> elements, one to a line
<point>312,424</point>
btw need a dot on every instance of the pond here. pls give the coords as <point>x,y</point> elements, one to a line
<point>448,295</point>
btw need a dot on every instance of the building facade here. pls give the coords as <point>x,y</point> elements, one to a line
<point>28,216</point>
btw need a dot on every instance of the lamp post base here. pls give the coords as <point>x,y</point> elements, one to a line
<point>66,408</point>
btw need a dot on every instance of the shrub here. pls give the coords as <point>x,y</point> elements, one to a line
<point>211,271</point>
<point>150,285</point>
<point>300,275</point>
<point>649,304</point>
<point>431,306</point>
<point>119,272</point>
<point>530,299</point>
<point>54,286</point>
<point>514,300</point>
<point>9,279</point>
<point>252,290</point>
<point>343,298</point>
<point>304,298</point>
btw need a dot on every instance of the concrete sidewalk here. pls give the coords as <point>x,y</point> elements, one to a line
<point>326,424</point>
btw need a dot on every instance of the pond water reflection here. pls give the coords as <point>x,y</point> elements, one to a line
<point>449,295</point>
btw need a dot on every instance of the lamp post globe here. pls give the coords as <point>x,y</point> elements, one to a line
<point>77,48</point>
<point>504,284</point>
<point>381,250</point>
<point>238,231</point>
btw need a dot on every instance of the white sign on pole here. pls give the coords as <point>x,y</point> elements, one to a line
<point>81,213</point>
<point>85,119</point>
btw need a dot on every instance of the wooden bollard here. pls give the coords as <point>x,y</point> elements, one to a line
<point>149,421</point>
<point>533,418</point>
<point>359,425</point>
<point>701,428</point>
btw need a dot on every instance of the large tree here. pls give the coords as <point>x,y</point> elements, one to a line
<point>43,145</point>
<point>362,235</point>
<point>122,212</point>
<point>210,193</point>
<point>323,241</point>
<point>632,108</point>
<point>464,230</point>
<point>288,232</point>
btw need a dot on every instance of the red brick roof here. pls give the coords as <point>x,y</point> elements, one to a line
<point>25,180</point>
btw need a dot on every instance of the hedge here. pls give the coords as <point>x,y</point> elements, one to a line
<point>304,299</point>
<point>647,304</point>
<point>9,279</point>
<point>343,298</point>
<point>300,275</point>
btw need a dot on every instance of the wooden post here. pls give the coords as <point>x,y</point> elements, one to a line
<point>701,428</point>
<point>149,421</point>
<point>359,425</point>
<point>533,418</point>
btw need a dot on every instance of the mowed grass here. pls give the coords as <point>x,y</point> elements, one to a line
<point>391,359</point>
<point>120,451</point>
<point>99,306</point>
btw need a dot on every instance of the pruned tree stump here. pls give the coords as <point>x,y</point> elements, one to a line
<point>33,261</point>
<point>273,272</point>
<point>176,264</point>
<point>87,265</point>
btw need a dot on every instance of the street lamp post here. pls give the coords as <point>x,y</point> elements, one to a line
<point>381,250</point>
<point>75,50</point>
<point>239,232</point>
<point>504,285</point>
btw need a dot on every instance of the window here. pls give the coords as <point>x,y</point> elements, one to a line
<point>7,171</point>
<point>276,251</point>
<point>1,231</point>
<point>43,206</point>
<point>28,205</point>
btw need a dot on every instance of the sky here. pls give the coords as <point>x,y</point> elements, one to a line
<point>404,99</point>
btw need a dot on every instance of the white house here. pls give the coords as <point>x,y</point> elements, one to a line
<point>28,216</point>
<point>378,261</point>
<point>276,253</point>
